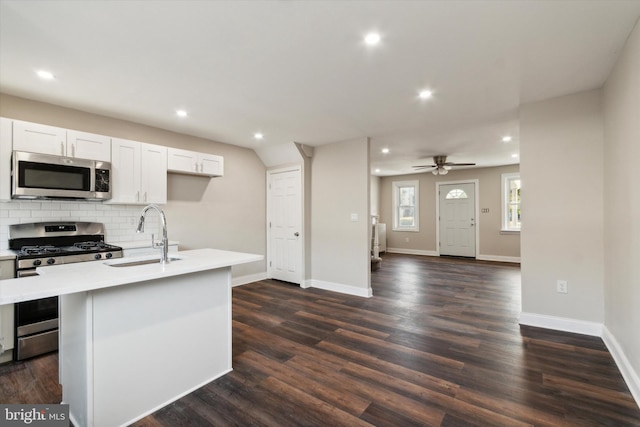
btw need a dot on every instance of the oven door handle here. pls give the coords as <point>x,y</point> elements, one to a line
<point>26,273</point>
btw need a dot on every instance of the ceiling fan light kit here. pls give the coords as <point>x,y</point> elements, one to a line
<point>440,171</point>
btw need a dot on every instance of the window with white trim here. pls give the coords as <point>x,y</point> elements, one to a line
<point>511,202</point>
<point>405,206</point>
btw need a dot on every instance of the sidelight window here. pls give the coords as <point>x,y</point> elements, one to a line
<point>405,206</point>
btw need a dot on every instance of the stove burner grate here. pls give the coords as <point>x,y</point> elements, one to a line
<point>35,250</point>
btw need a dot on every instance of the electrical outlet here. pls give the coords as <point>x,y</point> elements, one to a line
<point>562,286</point>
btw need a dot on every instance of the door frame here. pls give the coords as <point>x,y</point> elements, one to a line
<point>292,168</point>
<point>476,208</point>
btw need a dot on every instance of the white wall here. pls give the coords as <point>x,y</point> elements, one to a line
<point>561,166</point>
<point>340,257</point>
<point>622,208</point>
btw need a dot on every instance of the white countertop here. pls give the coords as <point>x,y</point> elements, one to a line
<point>88,276</point>
<point>7,254</point>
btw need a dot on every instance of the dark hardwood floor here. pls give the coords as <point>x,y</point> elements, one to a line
<point>438,345</point>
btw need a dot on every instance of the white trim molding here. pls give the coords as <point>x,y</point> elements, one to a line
<point>499,258</point>
<point>411,252</point>
<point>630,376</point>
<point>338,287</point>
<point>249,278</point>
<point>561,324</point>
<point>396,186</point>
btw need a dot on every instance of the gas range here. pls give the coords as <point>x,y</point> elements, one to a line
<point>42,244</point>
<point>38,255</point>
<point>54,243</point>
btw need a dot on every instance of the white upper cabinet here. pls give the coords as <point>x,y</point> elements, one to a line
<point>37,138</point>
<point>153,173</point>
<point>88,146</point>
<point>194,163</point>
<point>139,172</point>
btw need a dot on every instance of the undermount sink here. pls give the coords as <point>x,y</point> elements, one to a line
<point>139,262</point>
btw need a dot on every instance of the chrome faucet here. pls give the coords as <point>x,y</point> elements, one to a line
<point>164,255</point>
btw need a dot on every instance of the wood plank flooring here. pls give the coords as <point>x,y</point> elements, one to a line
<point>438,345</point>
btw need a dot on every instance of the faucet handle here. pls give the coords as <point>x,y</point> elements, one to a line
<point>159,244</point>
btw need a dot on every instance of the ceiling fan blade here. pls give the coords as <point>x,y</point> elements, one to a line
<point>459,164</point>
<point>424,166</point>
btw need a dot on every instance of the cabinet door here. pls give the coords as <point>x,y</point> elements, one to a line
<point>37,138</point>
<point>182,160</point>
<point>125,171</point>
<point>154,174</point>
<point>6,315</point>
<point>88,146</point>
<point>211,165</point>
<point>5,158</point>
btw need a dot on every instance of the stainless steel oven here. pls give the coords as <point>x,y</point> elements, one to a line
<point>46,244</point>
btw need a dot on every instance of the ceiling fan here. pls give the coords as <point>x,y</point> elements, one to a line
<point>441,165</point>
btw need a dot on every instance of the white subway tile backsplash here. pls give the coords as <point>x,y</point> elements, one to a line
<point>120,220</point>
<point>19,214</point>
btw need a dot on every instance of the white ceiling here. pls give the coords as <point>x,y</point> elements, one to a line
<point>299,70</point>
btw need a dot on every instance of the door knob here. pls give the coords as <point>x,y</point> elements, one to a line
<point>296,234</point>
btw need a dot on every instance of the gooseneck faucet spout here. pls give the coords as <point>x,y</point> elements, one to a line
<point>164,255</point>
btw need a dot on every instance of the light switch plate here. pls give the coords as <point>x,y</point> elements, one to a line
<point>354,217</point>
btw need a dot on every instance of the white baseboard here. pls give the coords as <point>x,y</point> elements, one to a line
<point>338,287</point>
<point>499,258</point>
<point>630,376</point>
<point>249,278</point>
<point>561,324</point>
<point>411,252</point>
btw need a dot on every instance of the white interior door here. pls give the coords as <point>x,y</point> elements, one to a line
<point>285,225</point>
<point>457,219</point>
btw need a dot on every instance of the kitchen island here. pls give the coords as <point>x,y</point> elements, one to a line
<point>135,338</point>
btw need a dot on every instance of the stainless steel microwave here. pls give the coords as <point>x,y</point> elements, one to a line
<point>42,176</point>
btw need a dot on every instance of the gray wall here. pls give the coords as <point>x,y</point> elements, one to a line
<point>622,204</point>
<point>561,146</point>
<point>492,242</point>
<point>339,188</point>
<point>224,213</point>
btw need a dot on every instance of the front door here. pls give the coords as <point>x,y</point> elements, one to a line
<point>457,219</point>
<point>285,225</point>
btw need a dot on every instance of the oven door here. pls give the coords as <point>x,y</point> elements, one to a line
<point>36,316</point>
<point>36,324</point>
<point>43,176</point>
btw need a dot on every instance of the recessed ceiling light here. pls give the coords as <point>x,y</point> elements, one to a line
<point>45,75</point>
<point>506,138</point>
<point>258,135</point>
<point>515,156</point>
<point>377,170</point>
<point>181,113</point>
<point>425,94</point>
<point>372,39</point>
<point>385,150</point>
